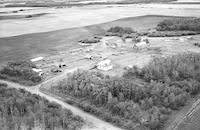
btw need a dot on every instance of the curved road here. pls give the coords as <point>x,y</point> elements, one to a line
<point>92,122</point>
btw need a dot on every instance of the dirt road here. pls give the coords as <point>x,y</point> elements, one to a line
<point>92,122</point>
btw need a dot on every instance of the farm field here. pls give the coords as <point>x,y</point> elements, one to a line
<point>69,17</point>
<point>29,46</point>
<point>56,46</point>
<point>60,3</point>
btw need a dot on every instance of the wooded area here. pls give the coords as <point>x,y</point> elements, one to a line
<point>21,72</point>
<point>20,109</point>
<point>167,85</point>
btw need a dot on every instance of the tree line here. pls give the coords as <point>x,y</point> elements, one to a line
<point>119,31</point>
<point>179,24</point>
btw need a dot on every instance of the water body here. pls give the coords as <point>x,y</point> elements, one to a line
<point>86,15</point>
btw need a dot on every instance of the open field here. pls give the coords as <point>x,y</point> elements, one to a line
<point>63,18</point>
<point>57,46</point>
<point>29,46</point>
<point>60,3</point>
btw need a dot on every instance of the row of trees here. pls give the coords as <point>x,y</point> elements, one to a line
<point>120,31</point>
<point>167,84</point>
<point>179,24</point>
<point>20,109</point>
<point>20,71</point>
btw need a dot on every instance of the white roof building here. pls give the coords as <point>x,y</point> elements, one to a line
<point>105,65</point>
<point>37,70</point>
<point>37,59</point>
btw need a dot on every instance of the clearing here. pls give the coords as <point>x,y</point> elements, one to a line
<point>62,47</point>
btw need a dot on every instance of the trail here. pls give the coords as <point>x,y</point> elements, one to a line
<point>93,122</point>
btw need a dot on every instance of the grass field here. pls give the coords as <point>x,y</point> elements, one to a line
<point>66,17</point>
<point>49,43</point>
